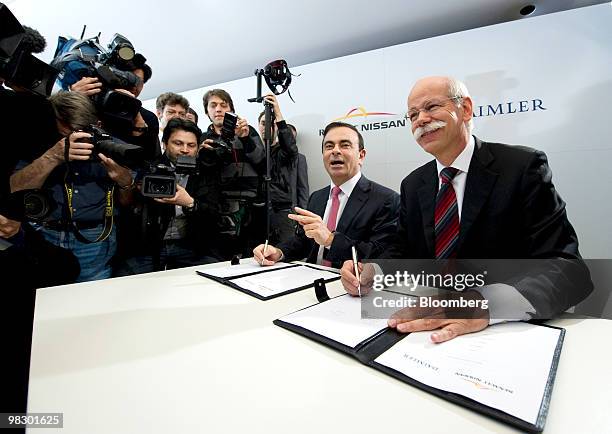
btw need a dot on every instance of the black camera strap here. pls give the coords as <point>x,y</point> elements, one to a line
<point>108,207</point>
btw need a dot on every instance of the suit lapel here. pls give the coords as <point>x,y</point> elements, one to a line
<point>427,202</point>
<point>319,203</point>
<point>478,187</point>
<point>356,200</point>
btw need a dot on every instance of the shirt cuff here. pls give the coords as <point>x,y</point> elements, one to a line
<point>506,303</point>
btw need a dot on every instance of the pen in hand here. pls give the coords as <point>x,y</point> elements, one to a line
<point>355,266</point>
<point>264,253</point>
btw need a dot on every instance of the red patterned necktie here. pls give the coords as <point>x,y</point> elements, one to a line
<point>446,216</point>
<point>333,215</point>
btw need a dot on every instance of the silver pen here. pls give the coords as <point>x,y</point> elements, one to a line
<point>356,269</point>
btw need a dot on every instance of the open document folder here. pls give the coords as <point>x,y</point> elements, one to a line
<point>505,371</point>
<point>268,282</point>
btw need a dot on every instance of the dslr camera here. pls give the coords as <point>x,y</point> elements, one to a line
<point>160,180</point>
<point>76,59</point>
<point>35,205</point>
<point>121,152</point>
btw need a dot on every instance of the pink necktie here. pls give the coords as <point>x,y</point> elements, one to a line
<point>333,215</point>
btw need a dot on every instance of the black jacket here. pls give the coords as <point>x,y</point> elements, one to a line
<point>283,170</point>
<point>368,222</point>
<point>237,170</point>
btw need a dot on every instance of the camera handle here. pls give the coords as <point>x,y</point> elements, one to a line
<point>268,119</point>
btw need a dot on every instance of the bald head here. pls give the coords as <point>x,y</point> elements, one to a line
<point>440,112</point>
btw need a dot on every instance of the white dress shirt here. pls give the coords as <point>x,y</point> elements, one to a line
<point>345,192</point>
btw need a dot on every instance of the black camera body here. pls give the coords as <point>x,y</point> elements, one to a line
<point>160,180</point>
<point>228,132</point>
<point>121,152</point>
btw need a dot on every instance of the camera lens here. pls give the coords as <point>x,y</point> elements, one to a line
<point>36,206</point>
<point>126,53</point>
<point>160,188</point>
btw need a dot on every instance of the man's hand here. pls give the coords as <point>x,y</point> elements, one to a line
<point>87,86</point>
<point>79,151</point>
<point>452,321</point>
<point>271,98</point>
<point>350,282</point>
<point>242,127</point>
<point>313,225</point>
<point>181,198</point>
<point>273,255</point>
<point>207,144</point>
<point>8,227</point>
<point>121,175</point>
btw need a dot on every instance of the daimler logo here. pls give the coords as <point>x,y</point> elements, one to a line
<point>507,108</point>
<point>495,109</point>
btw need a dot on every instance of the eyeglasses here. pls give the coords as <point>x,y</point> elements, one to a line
<point>430,108</point>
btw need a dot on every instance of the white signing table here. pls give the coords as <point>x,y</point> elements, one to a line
<point>173,352</point>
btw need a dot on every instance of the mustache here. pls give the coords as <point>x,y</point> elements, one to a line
<point>432,126</point>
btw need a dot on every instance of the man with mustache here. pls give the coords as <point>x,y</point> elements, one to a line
<point>351,211</point>
<point>480,200</point>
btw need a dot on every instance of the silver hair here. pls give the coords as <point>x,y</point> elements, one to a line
<point>458,90</point>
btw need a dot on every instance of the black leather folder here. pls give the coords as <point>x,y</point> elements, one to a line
<point>372,347</point>
<point>231,281</point>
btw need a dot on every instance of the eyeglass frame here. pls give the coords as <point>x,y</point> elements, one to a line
<point>429,111</point>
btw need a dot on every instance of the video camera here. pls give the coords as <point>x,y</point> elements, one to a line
<point>160,181</point>
<point>76,59</point>
<point>18,67</point>
<point>121,152</point>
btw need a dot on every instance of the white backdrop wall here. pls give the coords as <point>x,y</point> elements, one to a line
<point>544,82</point>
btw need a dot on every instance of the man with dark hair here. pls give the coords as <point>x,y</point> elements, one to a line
<point>235,167</point>
<point>169,105</point>
<point>192,115</point>
<point>83,187</point>
<point>351,211</point>
<point>481,200</point>
<point>283,171</point>
<point>173,226</point>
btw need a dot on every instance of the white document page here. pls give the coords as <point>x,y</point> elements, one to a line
<point>266,284</point>
<point>247,266</point>
<point>338,319</point>
<point>505,366</point>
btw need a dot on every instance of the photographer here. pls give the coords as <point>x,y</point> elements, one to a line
<point>283,186</point>
<point>169,105</point>
<point>27,261</point>
<point>145,125</point>
<point>237,169</point>
<point>83,187</point>
<point>175,236</point>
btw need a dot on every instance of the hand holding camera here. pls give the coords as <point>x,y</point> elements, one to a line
<point>242,127</point>
<point>119,174</point>
<point>181,198</point>
<point>87,86</point>
<point>79,149</point>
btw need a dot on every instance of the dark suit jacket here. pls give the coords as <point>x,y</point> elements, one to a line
<point>511,210</point>
<point>368,221</point>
